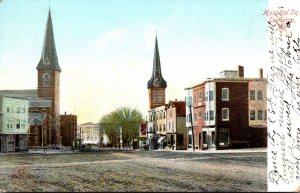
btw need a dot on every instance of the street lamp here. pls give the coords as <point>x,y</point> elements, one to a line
<point>191,119</point>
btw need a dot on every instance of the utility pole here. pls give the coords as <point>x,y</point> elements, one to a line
<point>191,119</point>
<point>42,133</point>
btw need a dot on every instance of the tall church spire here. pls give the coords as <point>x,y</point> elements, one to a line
<point>157,79</point>
<point>49,59</point>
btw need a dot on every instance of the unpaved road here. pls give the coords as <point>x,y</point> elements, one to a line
<point>113,170</point>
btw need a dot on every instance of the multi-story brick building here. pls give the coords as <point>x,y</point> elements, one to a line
<point>13,123</point>
<point>224,111</point>
<point>68,126</point>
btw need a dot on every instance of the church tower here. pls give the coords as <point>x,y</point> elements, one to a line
<point>49,81</point>
<point>156,85</point>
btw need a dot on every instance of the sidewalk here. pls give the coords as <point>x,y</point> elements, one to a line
<point>245,150</point>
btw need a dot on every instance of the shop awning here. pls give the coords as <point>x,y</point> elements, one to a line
<point>161,139</point>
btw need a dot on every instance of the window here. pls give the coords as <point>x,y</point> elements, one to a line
<point>259,95</point>
<point>211,115</point>
<point>173,125</point>
<point>195,116</point>
<point>18,108</point>
<point>23,109</point>
<point>211,95</point>
<point>225,114</point>
<point>9,108</point>
<point>199,97</point>
<point>195,99</point>
<point>199,114</point>
<point>46,80</point>
<point>259,115</point>
<point>225,94</point>
<point>18,125</point>
<point>252,94</point>
<point>23,124</point>
<point>252,114</point>
<point>206,96</point>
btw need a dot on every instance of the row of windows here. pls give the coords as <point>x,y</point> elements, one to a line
<point>160,115</point>
<point>259,95</point>
<point>19,124</point>
<point>18,109</point>
<point>162,128</point>
<point>209,96</point>
<point>259,114</point>
<point>209,116</point>
<point>225,95</point>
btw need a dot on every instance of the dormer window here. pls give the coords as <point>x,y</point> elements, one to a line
<point>46,80</point>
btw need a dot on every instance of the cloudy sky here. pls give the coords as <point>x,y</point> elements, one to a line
<point>105,48</point>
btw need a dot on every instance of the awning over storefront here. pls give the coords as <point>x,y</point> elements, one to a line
<point>161,139</point>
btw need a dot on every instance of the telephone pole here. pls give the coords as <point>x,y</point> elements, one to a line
<point>191,119</point>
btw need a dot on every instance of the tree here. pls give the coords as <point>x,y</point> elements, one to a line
<point>126,119</point>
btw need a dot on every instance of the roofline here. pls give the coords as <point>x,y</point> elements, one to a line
<point>16,97</point>
<point>227,79</point>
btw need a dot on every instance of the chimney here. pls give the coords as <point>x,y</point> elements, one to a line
<point>261,75</point>
<point>175,100</point>
<point>65,112</point>
<point>241,71</point>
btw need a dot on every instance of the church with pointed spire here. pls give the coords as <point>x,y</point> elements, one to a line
<point>157,84</point>
<point>48,87</point>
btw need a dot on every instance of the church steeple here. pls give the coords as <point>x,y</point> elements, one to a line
<point>49,59</point>
<point>157,79</point>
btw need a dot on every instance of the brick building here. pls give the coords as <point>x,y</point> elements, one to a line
<point>226,113</point>
<point>39,124</point>
<point>49,82</point>
<point>68,126</point>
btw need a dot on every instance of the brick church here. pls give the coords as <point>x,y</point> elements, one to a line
<point>44,119</point>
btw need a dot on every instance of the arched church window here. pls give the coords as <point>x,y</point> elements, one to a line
<point>46,80</point>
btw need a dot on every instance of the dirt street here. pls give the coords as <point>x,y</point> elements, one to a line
<point>115,170</point>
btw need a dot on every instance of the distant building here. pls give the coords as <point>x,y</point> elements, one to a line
<point>13,123</point>
<point>157,127</point>
<point>230,111</point>
<point>68,126</point>
<point>91,133</point>
<point>156,91</point>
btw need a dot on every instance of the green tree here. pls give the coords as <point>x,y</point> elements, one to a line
<point>125,119</point>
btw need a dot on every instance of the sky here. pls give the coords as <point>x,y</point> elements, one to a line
<point>105,48</point>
